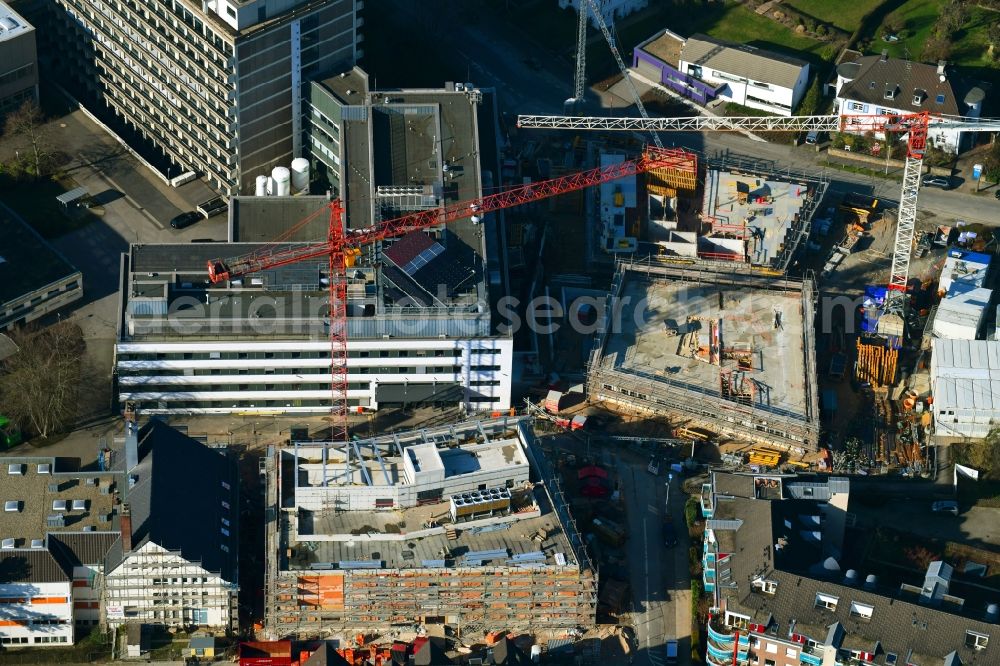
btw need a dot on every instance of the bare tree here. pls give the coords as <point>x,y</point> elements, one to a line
<point>28,124</point>
<point>39,385</point>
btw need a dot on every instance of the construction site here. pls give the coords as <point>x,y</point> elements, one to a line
<point>462,526</point>
<point>706,346</point>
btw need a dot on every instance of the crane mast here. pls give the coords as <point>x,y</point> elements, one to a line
<point>914,125</point>
<point>580,78</point>
<point>340,242</point>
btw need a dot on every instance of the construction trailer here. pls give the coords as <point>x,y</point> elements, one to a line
<point>442,526</point>
<point>754,380</point>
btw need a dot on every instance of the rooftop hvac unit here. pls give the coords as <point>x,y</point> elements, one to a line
<point>53,487</point>
<point>88,528</point>
<point>105,489</point>
<point>55,520</point>
<point>91,481</point>
<point>104,518</point>
<point>484,501</point>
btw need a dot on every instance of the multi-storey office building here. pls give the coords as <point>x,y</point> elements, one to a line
<point>772,560</point>
<point>18,55</point>
<point>442,526</point>
<point>420,323</point>
<point>215,87</point>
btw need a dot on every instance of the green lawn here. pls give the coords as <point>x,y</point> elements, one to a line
<point>843,15</point>
<point>734,22</point>
<point>919,18</point>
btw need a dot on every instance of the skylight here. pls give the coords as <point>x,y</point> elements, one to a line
<point>939,99</point>
<point>12,505</point>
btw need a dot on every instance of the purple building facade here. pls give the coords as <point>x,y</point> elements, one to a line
<point>683,84</point>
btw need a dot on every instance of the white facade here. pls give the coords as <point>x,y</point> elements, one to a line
<point>961,313</point>
<point>746,75</point>
<point>421,471</point>
<point>610,9</point>
<point>965,383</point>
<point>945,139</point>
<point>158,586</point>
<point>36,613</point>
<point>292,377</point>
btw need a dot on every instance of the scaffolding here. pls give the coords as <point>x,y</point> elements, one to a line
<point>725,407</point>
<point>523,594</point>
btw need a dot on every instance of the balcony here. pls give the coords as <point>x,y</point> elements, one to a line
<point>706,500</point>
<point>813,656</point>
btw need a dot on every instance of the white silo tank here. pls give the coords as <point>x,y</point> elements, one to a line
<point>261,189</point>
<point>282,181</point>
<point>300,174</point>
<point>270,187</point>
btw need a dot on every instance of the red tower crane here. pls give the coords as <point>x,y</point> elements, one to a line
<point>341,245</point>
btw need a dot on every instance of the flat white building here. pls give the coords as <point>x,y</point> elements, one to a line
<point>961,313</point>
<point>610,9</point>
<point>420,328</point>
<point>37,599</point>
<point>401,475</point>
<point>880,85</point>
<point>965,376</point>
<point>753,77</point>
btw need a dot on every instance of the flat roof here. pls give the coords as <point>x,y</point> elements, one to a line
<point>349,87</point>
<point>264,219</point>
<point>12,24</point>
<point>77,498</point>
<point>965,374</point>
<point>27,261</point>
<point>667,47</point>
<point>748,318</point>
<point>382,530</point>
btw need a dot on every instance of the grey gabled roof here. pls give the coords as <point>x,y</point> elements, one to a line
<point>74,549</point>
<point>177,499</point>
<point>30,565</point>
<point>903,76</point>
<point>743,60</point>
<point>326,655</point>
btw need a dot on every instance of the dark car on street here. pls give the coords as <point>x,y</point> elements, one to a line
<point>185,219</point>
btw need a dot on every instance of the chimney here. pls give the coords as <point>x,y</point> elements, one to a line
<point>940,70</point>
<point>126,528</point>
<point>885,56</point>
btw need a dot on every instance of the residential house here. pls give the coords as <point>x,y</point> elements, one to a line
<point>175,562</point>
<point>881,85</point>
<point>746,75</point>
<point>772,556</point>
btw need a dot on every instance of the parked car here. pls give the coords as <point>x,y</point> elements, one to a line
<point>936,181</point>
<point>812,138</point>
<point>996,195</point>
<point>945,506</point>
<point>671,652</point>
<point>185,219</point>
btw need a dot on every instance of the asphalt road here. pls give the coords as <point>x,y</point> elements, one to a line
<point>531,79</point>
<point>660,581</point>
